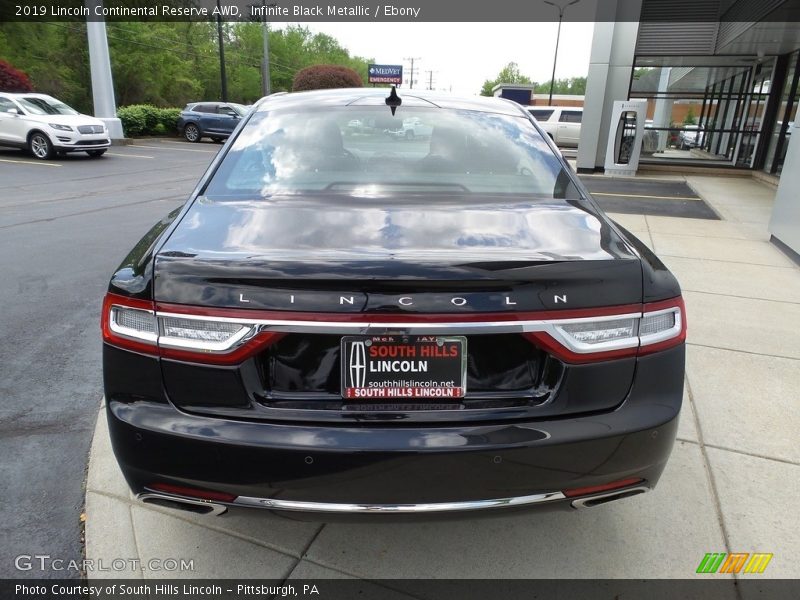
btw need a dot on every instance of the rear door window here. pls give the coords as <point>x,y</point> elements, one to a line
<point>570,116</point>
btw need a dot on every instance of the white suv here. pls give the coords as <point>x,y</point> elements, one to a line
<point>46,127</point>
<point>561,123</point>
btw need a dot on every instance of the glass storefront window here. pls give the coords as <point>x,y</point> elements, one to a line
<point>709,114</point>
<point>786,112</point>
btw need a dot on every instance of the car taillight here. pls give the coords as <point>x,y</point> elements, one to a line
<point>663,325</point>
<point>659,326</point>
<point>135,325</point>
<point>226,336</point>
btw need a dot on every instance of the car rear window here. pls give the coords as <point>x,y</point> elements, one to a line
<point>361,150</point>
<point>541,114</point>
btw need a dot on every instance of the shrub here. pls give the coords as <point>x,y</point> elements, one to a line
<point>13,80</point>
<point>133,120</point>
<point>168,117</point>
<point>145,119</point>
<point>323,77</point>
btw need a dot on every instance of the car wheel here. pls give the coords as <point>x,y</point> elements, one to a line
<point>40,146</point>
<point>95,153</point>
<point>191,132</point>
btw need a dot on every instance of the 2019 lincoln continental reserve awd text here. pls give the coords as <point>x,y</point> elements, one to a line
<point>345,321</point>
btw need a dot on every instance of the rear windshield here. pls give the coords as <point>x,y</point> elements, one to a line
<point>366,150</point>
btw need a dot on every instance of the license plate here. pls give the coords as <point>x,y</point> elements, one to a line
<point>397,366</point>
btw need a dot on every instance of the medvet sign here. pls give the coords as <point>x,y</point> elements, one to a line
<point>385,74</point>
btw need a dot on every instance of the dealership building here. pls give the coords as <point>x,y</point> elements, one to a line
<point>726,69</point>
<point>720,83</point>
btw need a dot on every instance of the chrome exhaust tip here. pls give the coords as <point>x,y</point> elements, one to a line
<point>598,499</point>
<point>201,507</point>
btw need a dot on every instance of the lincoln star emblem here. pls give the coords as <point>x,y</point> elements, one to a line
<point>358,364</point>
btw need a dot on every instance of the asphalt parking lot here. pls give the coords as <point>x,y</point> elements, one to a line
<point>731,484</point>
<point>66,224</point>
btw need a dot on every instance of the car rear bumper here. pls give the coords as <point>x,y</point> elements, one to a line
<point>390,468</point>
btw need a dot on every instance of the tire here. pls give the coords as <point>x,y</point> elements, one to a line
<point>40,146</point>
<point>95,153</point>
<point>192,133</point>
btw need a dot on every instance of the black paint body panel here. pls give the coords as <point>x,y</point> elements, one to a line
<point>241,429</point>
<point>155,442</point>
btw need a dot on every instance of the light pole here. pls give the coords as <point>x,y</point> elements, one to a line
<point>266,87</point>
<point>561,10</point>
<point>222,76</point>
<point>411,81</point>
<point>105,107</point>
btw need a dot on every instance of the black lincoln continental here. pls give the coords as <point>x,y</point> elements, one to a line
<point>344,321</point>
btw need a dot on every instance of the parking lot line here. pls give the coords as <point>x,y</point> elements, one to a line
<point>180,143</point>
<point>643,196</point>
<point>175,148</point>
<point>30,162</point>
<point>129,155</point>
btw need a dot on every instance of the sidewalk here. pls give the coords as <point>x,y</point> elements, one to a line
<point>732,483</point>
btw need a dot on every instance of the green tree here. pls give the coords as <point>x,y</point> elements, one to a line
<point>575,86</point>
<point>508,74</point>
<point>690,119</point>
<point>167,64</point>
<point>53,55</point>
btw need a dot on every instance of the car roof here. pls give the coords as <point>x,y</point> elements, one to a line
<point>26,94</point>
<point>578,108</point>
<point>375,96</point>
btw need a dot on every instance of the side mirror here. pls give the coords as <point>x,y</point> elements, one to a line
<point>14,111</point>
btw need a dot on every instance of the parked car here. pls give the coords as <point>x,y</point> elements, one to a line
<point>355,126</point>
<point>409,129</point>
<point>341,325</point>
<point>45,126</point>
<point>215,120</point>
<point>414,128</point>
<point>690,137</point>
<point>561,123</point>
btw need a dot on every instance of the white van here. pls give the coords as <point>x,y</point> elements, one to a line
<point>562,123</point>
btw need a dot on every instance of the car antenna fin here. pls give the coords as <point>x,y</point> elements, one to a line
<point>393,100</point>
